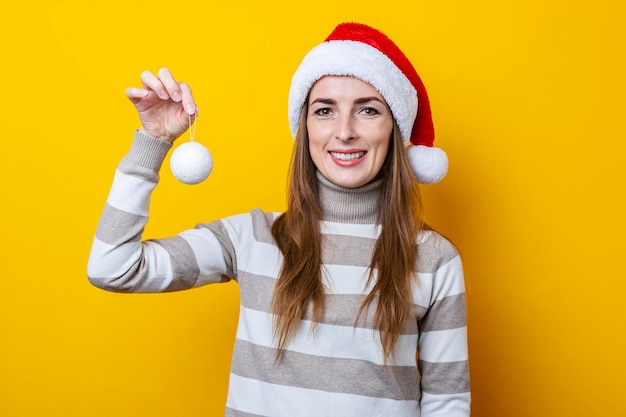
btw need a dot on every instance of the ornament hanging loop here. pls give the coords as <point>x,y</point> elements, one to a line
<point>192,127</point>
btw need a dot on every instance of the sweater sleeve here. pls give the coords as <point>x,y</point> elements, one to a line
<point>121,261</point>
<point>443,352</point>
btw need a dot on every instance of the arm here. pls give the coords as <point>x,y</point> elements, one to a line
<point>119,260</point>
<point>443,354</point>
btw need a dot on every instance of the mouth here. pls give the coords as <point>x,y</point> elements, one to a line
<point>347,156</point>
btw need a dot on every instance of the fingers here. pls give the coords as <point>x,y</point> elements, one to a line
<point>171,86</point>
<point>166,88</point>
<point>151,82</point>
<point>187,99</point>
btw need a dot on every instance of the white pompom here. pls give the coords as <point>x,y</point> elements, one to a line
<point>191,163</point>
<point>430,164</point>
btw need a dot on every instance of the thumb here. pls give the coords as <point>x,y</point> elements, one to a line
<point>136,94</point>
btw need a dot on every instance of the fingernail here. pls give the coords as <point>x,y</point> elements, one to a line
<point>164,95</point>
<point>176,95</point>
<point>191,109</point>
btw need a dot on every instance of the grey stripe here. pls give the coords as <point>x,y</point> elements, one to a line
<point>144,173</point>
<point>184,265</point>
<point>448,313</point>
<point>262,226</point>
<point>117,226</point>
<point>326,374</point>
<point>347,250</point>
<point>339,309</point>
<point>230,255</point>
<point>255,291</point>
<point>433,253</point>
<point>445,378</point>
<point>234,413</point>
<point>336,249</point>
<point>145,157</point>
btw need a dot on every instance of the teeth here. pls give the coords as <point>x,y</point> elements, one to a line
<point>347,156</point>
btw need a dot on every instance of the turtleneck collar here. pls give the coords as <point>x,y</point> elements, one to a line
<point>349,205</point>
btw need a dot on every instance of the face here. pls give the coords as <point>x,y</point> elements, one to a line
<point>349,126</point>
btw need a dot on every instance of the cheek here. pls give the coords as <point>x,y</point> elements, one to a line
<point>384,140</point>
<point>316,150</point>
<point>317,137</point>
<point>314,143</point>
<point>382,132</point>
<point>316,131</point>
<point>382,155</point>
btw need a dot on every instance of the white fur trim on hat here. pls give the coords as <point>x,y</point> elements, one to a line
<point>359,60</point>
<point>430,164</point>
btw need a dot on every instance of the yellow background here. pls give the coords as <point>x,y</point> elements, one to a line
<point>528,101</point>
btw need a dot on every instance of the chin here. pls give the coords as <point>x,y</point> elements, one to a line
<point>350,183</point>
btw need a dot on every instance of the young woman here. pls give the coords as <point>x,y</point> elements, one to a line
<point>345,290</point>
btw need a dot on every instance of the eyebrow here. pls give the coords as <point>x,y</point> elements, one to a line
<point>361,100</point>
<point>367,100</point>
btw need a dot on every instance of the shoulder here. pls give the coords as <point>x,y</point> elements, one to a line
<point>434,251</point>
<point>257,223</point>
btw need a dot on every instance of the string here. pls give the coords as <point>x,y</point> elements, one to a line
<point>192,128</point>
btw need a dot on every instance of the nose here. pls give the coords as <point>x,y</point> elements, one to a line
<point>346,129</point>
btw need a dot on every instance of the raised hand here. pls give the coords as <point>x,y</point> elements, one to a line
<point>165,106</point>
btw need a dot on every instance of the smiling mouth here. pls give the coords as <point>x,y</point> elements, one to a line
<point>347,156</point>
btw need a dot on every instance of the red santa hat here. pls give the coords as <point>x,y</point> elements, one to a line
<point>359,51</point>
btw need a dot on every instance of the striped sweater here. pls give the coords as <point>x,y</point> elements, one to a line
<point>335,368</point>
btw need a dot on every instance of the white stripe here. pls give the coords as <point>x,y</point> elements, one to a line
<point>423,236</point>
<point>450,405</point>
<point>237,226</point>
<point>353,279</point>
<point>130,193</point>
<point>448,279</point>
<point>444,345</point>
<point>347,279</point>
<point>159,266</point>
<point>363,230</point>
<point>260,258</point>
<point>110,261</point>
<point>208,253</point>
<point>422,290</point>
<point>262,398</point>
<point>357,230</point>
<point>327,340</point>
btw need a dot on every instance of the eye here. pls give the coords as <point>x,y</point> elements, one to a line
<point>370,111</point>
<point>324,111</point>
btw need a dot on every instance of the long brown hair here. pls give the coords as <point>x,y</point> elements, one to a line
<point>298,236</point>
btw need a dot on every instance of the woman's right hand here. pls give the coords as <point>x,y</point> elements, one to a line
<point>165,106</point>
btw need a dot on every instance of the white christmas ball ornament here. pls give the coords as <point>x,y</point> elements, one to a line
<point>191,163</point>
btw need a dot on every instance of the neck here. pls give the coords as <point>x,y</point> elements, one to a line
<point>349,205</point>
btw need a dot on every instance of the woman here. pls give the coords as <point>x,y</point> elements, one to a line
<point>340,292</point>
